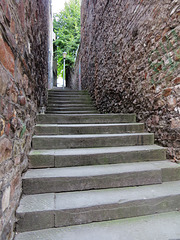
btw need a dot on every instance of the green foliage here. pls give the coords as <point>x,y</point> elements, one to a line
<point>23,131</point>
<point>67,28</point>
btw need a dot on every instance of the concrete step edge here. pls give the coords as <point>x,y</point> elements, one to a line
<point>70,112</point>
<point>104,115</point>
<point>89,125</point>
<point>71,106</point>
<point>80,104</point>
<point>86,118</point>
<point>68,95</point>
<point>68,92</point>
<point>91,140</point>
<point>94,135</point>
<point>95,156</point>
<point>43,129</point>
<point>37,181</point>
<point>74,103</point>
<point>66,108</point>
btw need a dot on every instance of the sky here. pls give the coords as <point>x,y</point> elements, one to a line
<point>57,5</point>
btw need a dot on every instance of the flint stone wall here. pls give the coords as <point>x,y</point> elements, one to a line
<point>130,62</point>
<point>23,80</point>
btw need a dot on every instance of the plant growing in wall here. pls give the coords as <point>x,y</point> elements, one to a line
<point>67,29</point>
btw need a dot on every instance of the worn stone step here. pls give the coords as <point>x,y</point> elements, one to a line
<point>74,102</point>
<point>67,93</point>
<point>74,99</point>
<point>46,129</point>
<point>69,97</point>
<point>163,226</point>
<point>51,180</point>
<point>95,156</point>
<point>62,103</point>
<point>66,89</point>
<point>71,112</point>
<point>69,101</point>
<point>61,89</point>
<point>86,118</point>
<point>81,104</point>
<point>91,140</point>
<point>69,108</point>
<point>64,209</point>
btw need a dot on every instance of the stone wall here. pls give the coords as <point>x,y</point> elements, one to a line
<point>23,80</point>
<point>75,78</point>
<point>130,56</point>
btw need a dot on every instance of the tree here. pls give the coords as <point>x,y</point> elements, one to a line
<point>67,28</point>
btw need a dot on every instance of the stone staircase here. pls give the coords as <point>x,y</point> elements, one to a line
<point>96,176</point>
<point>68,102</point>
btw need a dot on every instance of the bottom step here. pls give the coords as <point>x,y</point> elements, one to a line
<point>163,226</point>
<point>64,209</point>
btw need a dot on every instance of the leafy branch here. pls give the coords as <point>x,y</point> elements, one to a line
<point>67,29</point>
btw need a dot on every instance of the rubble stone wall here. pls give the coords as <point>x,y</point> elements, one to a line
<point>23,80</point>
<point>75,80</point>
<point>130,57</point>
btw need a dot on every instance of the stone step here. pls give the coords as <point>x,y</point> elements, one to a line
<point>95,156</point>
<point>76,101</point>
<point>163,226</point>
<point>71,112</point>
<point>81,104</point>
<point>86,118</point>
<point>66,89</point>
<point>73,99</point>
<point>69,101</point>
<point>51,180</point>
<point>69,108</point>
<point>51,129</point>
<point>91,140</point>
<point>67,93</point>
<point>64,209</point>
<point>69,97</point>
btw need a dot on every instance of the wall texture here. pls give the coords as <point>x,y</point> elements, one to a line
<point>130,57</point>
<point>75,76</point>
<point>23,80</point>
